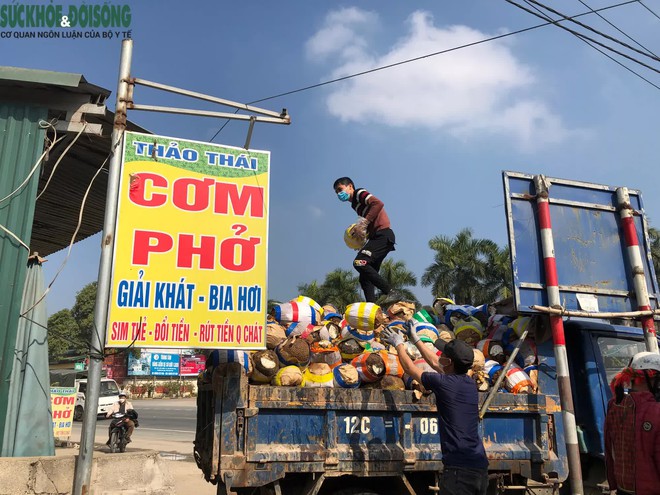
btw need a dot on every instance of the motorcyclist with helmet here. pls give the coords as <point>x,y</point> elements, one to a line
<point>122,406</point>
<point>632,428</point>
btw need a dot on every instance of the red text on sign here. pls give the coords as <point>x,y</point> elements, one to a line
<point>234,253</point>
<point>152,190</point>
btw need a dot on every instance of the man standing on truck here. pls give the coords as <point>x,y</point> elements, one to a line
<point>373,225</point>
<point>632,428</point>
<point>463,455</point>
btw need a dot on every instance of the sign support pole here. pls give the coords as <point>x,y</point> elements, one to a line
<point>83,472</point>
<point>636,265</point>
<point>557,325</point>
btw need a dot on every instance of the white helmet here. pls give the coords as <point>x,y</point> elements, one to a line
<point>645,361</point>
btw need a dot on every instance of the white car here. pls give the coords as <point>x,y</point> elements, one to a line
<point>108,395</point>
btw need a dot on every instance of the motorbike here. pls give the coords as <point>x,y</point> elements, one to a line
<point>119,428</point>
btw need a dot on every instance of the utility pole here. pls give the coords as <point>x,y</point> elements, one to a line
<point>83,473</point>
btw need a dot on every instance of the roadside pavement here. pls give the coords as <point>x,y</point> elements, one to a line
<point>188,479</point>
<point>167,427</point>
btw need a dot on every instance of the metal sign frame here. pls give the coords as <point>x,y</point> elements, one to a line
<point>585,221</point>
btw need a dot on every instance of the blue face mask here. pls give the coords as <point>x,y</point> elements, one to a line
<point>343,196</point>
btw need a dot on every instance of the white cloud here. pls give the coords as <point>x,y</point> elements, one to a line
<point>315,211</point>
<point>341,34</point>
<point>483,89</point>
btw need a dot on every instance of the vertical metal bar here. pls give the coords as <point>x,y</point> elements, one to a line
<point>500,379</point>
<point>83,473</point>
<point>558,338</point>
<point>636,265</point>
<point>249,134</point>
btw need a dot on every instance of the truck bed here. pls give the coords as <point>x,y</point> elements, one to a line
<point>251,435</point>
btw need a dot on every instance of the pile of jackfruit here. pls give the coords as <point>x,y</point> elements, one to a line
<point>309,345</point>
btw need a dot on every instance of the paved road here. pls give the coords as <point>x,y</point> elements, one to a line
<point>167,425</point>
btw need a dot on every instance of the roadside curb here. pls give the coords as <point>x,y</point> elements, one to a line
<point>139,473</point>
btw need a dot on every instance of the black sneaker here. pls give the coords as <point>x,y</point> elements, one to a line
<point>128,439</point>
<point>392,297</point>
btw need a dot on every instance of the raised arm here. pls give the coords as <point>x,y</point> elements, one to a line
<point>395,339</point>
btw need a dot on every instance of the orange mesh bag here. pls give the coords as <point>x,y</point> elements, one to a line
<point>370,366</point>
<point>326,352</point>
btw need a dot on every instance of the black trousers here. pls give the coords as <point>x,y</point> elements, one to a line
<point>463,481</point>
<point>368,261</point>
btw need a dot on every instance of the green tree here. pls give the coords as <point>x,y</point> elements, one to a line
<point>399,278</point>
<point>313,290</point>
<point>64,336</point>
<point>463,268</point>
<point>83,310</point>
<point>654,238</point>
<point>340,288</point>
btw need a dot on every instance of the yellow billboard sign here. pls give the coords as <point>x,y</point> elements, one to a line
<point>62,403</point>
<point>191,244</point>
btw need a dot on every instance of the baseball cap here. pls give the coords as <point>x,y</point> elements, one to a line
<point>458,351</point>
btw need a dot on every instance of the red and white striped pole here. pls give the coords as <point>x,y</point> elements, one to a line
<point>634,256</point>
<point>557,325</point>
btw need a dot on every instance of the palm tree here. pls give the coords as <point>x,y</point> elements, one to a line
<point>313,290</point>
<point>341,288</point>
<point>399,278</point>
<point>498,279</point>
<point>654,238</point>
<point>462,268</point>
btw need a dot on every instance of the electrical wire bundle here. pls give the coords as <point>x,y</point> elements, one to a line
<point>608,45</point>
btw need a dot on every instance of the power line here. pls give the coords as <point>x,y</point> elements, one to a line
<point>593,30</point>
<point>556,23</point>
<point>224,125</point>
<point>647,8</point>
<point>441,52</point>
<point>415,59</point>
<point>615,27</point>
<point>605,54</point>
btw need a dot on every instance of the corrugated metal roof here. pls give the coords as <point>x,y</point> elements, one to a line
<point>21,143</point>
<point>56,212</point>
<point>34,77</point>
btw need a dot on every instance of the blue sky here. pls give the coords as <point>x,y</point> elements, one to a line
<point>430,138</point>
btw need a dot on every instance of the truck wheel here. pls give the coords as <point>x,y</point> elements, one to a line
<point>78,413</point>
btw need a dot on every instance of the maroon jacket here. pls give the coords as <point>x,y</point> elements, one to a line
<point>632,444</point>
<point>370,207</point>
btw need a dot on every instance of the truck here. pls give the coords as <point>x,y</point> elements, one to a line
<point>309,441</point>
<point>108,396</point>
